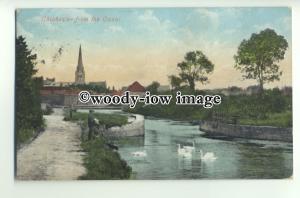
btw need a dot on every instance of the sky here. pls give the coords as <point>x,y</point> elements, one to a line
<point>123,45</point>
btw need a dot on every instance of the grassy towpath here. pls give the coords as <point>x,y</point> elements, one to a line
<point>55,154</point>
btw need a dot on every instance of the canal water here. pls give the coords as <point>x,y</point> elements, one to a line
<point>234,159</point>
<point>238,158</point>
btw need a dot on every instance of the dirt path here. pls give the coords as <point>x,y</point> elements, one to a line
<point>55,154</point>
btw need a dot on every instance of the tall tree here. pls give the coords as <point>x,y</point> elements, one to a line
<point>175,82</point>
<point>28,105</point>
<point>194,68</point>
<point>153,87</point>
<point>258,56</point>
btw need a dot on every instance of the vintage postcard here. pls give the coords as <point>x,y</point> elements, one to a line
<point>153,93</point>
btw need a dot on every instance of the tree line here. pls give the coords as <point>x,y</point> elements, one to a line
<point>28,112</point>
<point>257,58</point>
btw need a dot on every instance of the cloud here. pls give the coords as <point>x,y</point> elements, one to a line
<point>286,23</point>
<point>230,31</point>
<point>152,23</point>
<point>208,16</point>
<point>149,17</point>
<point>261,27</point>
<point>155,40</point>
<point>114,29</point>
<point>23,32</point>
<point>41,20</point>
<point>282,26</point>
<point>279,29</point>
<point>232,12</point>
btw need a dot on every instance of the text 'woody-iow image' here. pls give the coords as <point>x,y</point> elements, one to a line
<point>153,93</point>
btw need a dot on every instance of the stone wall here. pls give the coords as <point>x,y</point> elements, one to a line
<point>136,127</point>
<point>53,99</point>
<point>67,100</point>
<point>213,128</point>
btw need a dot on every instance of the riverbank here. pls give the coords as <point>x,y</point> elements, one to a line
<point>102,161</point>
<point>217,129</point>
<point>272,108</point>
<point>134,127</point>
<point>107,120</point>
<point>111,125</point>
<point>239,159</point>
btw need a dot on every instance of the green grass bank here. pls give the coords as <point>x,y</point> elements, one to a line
<point>101,162</point>
<point>269,109</point>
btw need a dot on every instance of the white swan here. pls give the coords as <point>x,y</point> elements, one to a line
<point>209,156</point>
<point>139,154</point>
<point>183,152</point>
<point>190,148</point>
<point>180,150</point>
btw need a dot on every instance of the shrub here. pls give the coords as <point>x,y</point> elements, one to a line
<point>103,163</point>
<point>109,120</point>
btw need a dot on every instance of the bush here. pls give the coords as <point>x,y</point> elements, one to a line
<point>271,108</point>
<point>48,110</point>
<point>109,120</point>
<point>276,119</point>
<point>25,134</point>
<point>28,112</point>
<point>103,163</point>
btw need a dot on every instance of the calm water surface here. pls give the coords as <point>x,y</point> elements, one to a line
<point>237,158</point>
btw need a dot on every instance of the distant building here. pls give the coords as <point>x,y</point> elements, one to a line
<point>136,88</point>
<point>80,74</point>
<point>61,96</point>
<point>53,95</point>
<point>99,83</point>
<point>163,88</point>
<point>50,82</point>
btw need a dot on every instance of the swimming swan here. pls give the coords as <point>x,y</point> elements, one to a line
<point>139,154</point>
<point>190,148</point>
<point>209,156</point>
<point>183,152</point>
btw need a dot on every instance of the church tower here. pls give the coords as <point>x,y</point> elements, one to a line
<point>79,74</point>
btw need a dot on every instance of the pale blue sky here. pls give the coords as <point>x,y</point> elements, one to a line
<point>141,41</point>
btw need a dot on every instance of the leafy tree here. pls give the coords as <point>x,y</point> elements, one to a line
<point>153,87</point>
<point>175,82</point>
<point>258,56</point>
<point>28,103</point>
<point>194,68</point>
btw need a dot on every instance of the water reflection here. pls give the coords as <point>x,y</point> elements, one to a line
<point>235,159</point>
<point>256,158</point>
<point>239,158</point>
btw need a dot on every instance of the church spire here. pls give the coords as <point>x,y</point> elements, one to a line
<point>80,74</point>
<point>80,64</point>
